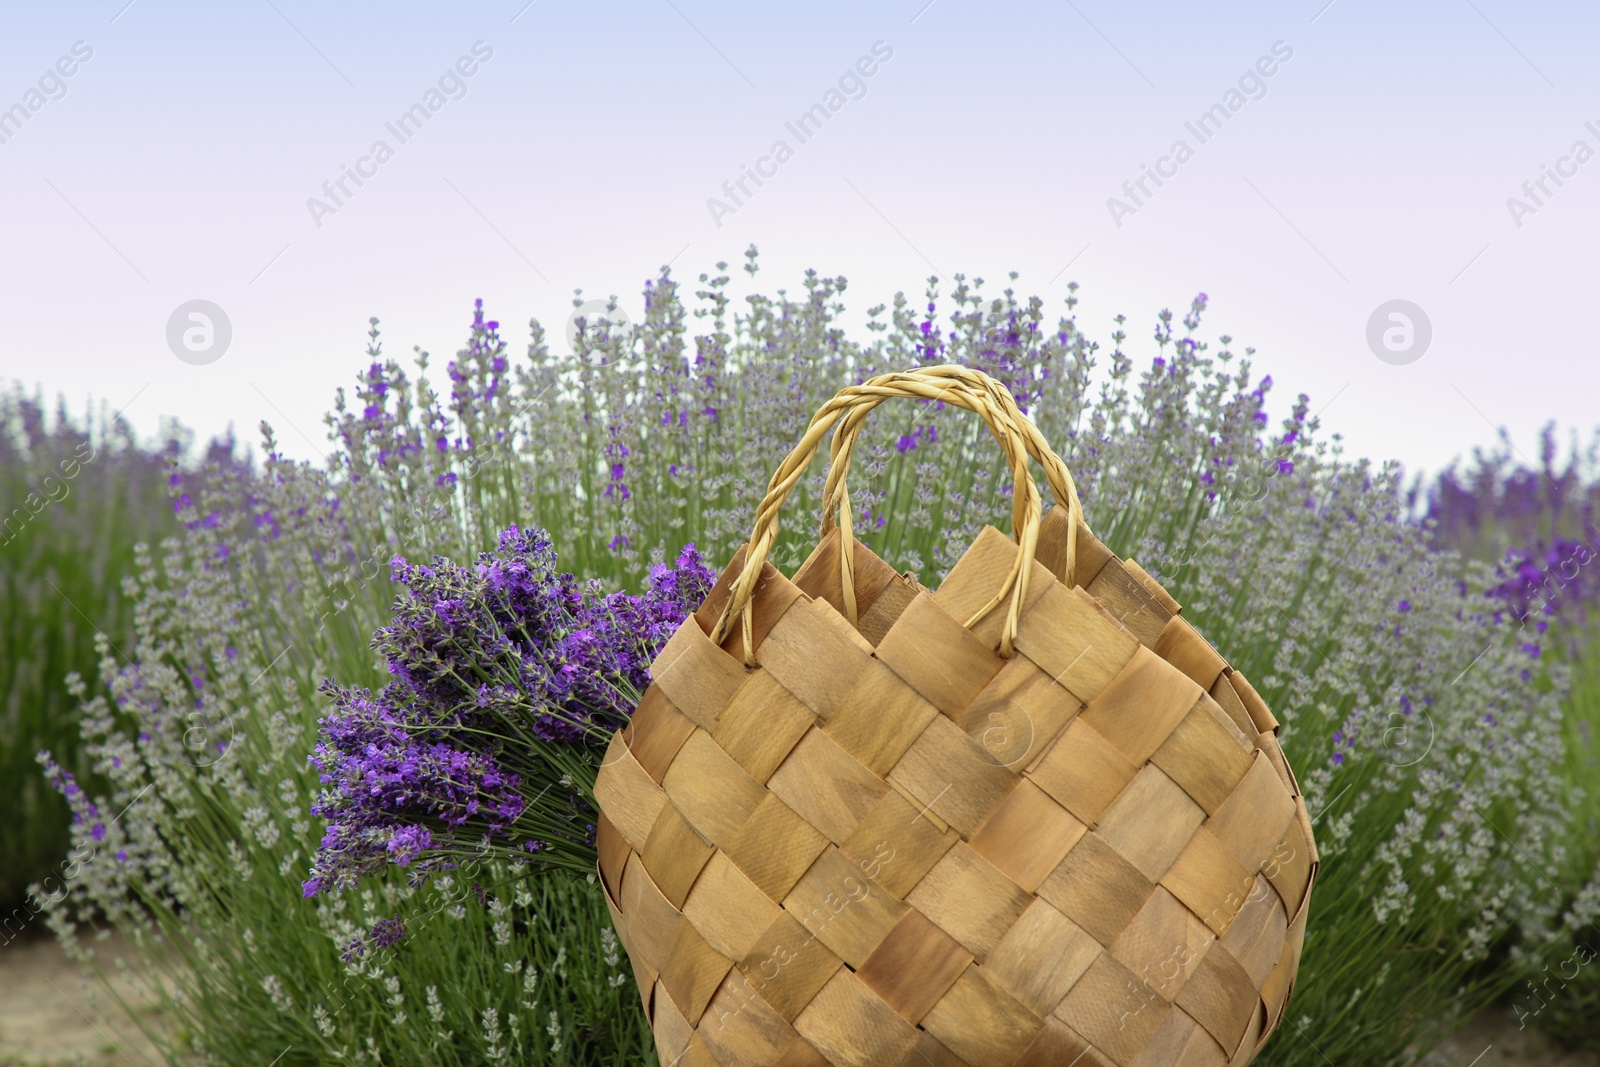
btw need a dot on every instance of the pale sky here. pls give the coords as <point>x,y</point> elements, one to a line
<point>1374,163</point>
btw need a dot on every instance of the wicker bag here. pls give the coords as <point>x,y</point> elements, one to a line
<point>1030,817</point>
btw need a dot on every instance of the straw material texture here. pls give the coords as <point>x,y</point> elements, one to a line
<point>858,822</point>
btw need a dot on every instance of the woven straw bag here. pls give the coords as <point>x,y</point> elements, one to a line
<point>858,822</point>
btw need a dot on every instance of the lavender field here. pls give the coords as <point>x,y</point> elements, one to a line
<point>314,743</point>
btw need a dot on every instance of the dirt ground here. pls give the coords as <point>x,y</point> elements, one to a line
<point>50,1016</point>
<point>1493,1040</point>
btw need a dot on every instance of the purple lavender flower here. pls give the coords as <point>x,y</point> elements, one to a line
<point>386,933</point>
<point>508,680</point>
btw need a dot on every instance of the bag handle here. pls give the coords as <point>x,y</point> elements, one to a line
<point>963,387</point>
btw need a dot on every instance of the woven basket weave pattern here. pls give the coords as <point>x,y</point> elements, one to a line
<point>888,844</point>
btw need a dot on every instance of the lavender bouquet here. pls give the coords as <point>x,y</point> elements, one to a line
<point>509,679</point>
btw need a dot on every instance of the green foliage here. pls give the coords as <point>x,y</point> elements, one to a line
<point>1538,523</point>
<point>1419,745</point>
<point>1559,987</point>
<point>74,499</point>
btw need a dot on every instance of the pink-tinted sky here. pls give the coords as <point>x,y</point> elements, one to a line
<point>1373,163</point>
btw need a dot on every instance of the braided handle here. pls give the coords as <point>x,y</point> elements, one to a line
<point>963,387</point>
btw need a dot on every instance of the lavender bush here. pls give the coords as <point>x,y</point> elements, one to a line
<point>76,494</point>
<point>1504,501</point>
<point>1418,729</point>
<point>1540,523</point>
